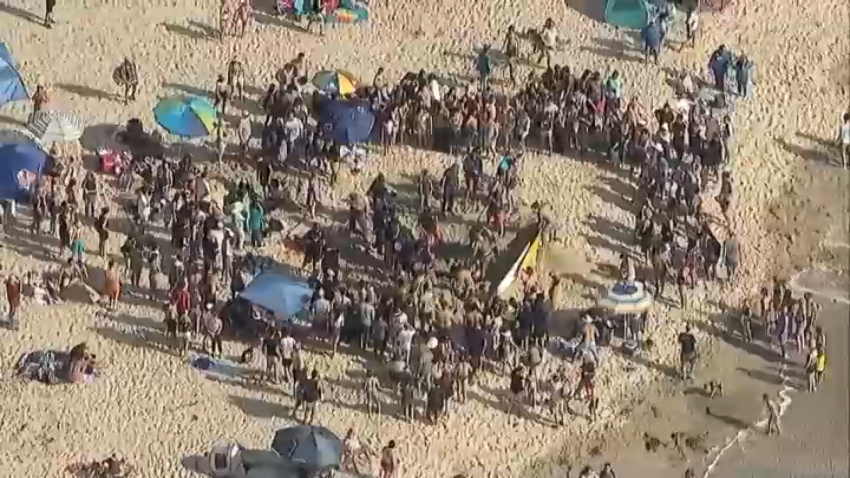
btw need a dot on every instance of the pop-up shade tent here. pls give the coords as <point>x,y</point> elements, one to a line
<point>629,14</point>
<point>280,293</point>
<point>21,166</point>
<point>11,85</point>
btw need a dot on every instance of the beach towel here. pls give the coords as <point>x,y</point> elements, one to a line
<point>217,369</point>
<point>46,366</point>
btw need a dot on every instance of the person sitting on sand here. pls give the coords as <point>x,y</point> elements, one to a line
<point>80,363</point>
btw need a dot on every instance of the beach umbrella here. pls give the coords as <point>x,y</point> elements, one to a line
<point>626,298</point>
<point>186,116</point>
<point>11,84</point>
<point>21,165</point>
<point>52,126</point>
<point>349,122</point>
<point>309,447</point>
<point>338,81</point>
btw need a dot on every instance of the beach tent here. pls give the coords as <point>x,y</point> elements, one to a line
<point>278,292</point>
<point>21,165</point>
<point>11,85</point>
<point>339,11</point>
<point>350,122</point>
<point>629,14</point>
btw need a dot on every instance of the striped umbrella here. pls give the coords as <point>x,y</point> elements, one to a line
<point>52,126</point>
<point>626,298</point>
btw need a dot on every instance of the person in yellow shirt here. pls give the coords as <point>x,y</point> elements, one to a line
<point>820,365</point>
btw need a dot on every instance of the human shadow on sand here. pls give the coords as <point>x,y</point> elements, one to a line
<point>22,14</point>
<point>815,155</point>
<point>145,339</point>
<point>260,408</point>
<point>202,33</point>
<point>87,92</point>
<point>281,21</point>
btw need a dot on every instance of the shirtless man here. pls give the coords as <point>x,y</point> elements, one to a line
<point>371,389</point>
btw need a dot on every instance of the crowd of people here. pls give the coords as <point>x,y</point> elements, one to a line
<point>432,324</point>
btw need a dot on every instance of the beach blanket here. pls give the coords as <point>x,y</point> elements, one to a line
<point>218,369</point>
<point>46,366</point>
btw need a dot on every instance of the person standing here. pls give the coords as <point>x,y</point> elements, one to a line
<point>312,396</point>
<point>743,70</point>
<point>40,96</point>
<point>126,76</point>
<point>687,353</point>
<point>843,139</point>
<point>511,49</point>
<point>691,25</point>
<point>772,415</point>
<point>13,296</point>
<point>271,347</point>
<point>731,255</point>
<point>484,67</point>
<point>388,461</point>
<point>651,36</point>
<point>49,21</point>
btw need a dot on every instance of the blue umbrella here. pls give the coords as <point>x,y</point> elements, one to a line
<point>21,165</point>
<point>186,116</point>
<point>11,84</point>
<point>350,122</point>
<point>309,447</point>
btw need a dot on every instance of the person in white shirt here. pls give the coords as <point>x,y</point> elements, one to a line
<point>549,39</point>
<point>404,342</point>
<point>844,140</point>
<point>287,351</point>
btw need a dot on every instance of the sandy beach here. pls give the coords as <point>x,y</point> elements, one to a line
<point>151,407</point>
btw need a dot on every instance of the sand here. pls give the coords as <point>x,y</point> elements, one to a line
<point>151,407</point>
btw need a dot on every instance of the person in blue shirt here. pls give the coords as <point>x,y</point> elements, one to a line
<point>719,63</point>
<point>484,66</point>
<point>651,38</point>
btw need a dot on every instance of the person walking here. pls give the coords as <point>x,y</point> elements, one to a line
<point>772,415</point>
<point>687,353</point>
<point>13,296</point>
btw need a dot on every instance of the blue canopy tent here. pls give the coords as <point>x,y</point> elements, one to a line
<point>350,122</point>
<point>280,293</point>
<point>629,14</point>
<point>11,84</point>
<point>21,166</point>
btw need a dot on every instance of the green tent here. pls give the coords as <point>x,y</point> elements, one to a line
<point>630,14</point>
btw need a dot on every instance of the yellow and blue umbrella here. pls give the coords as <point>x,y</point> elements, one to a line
<point>186,116</point>
<point>339,82</point>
